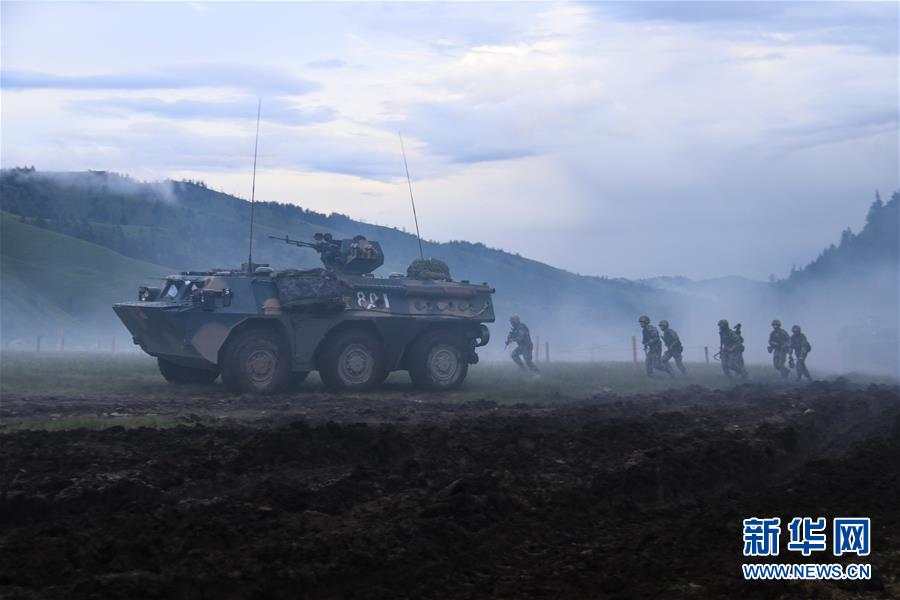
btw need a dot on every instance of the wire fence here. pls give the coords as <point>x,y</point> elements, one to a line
<point>625,350</point>
<point>63,343</point>
<point>544,351</point>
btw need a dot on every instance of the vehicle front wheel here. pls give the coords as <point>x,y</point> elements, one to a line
<point>438,361</point>
<point>352,361</point>
<point>175,373</point>
<point>257,361</point>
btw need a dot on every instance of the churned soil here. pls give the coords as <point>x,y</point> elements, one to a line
<point>627,497</point>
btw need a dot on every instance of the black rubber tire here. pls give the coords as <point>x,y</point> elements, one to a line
<point>175,373</point>
<point>438,361</point>
<point>257,361</point>
<point>352,361</point>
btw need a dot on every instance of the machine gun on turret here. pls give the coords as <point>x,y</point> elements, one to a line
<point>356,256</point>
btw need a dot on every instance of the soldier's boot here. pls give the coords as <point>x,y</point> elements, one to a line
<point>531,365</point>
<point>806,373</point>
<point>517,359</point>
<point>680,364</point>
<point>667,368</point>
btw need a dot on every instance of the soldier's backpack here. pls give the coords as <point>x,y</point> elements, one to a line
<point>429,268</point>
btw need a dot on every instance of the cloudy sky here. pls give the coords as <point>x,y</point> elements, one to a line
<point>622,139</point>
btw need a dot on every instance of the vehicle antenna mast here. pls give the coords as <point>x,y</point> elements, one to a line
<point>253,187</point>
<point>411,200</point>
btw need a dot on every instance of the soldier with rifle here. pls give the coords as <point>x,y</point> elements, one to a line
<point>779,348</point>
<point>520,335</point>
<point>674,349</point>
<point>652,348</point>
<point>800,347</point>
<point>731,349</point>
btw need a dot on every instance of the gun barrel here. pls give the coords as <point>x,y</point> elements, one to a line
<point>288,240</point>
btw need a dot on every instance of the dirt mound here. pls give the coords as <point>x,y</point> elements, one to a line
<point>635,497</point>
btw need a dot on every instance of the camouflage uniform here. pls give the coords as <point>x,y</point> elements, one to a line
<point>653,349</point>
<point>731,352</point>
<point>674,349</point>
<point>800,346</point>
<point>780,347</point>
<point>524,347</point>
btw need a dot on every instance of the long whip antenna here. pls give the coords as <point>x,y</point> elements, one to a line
<point>411,200</point>
<point>253,187</point>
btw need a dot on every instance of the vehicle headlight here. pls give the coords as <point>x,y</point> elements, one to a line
<point>148,294</point>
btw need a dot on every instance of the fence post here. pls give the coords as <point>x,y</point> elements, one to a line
<point>547,352</point>
<point>537,348</point>
<point>706,353</point>
<point>38,344</point>
<point>62,340</point>
<point>113,345</point>
<point>634,349</point>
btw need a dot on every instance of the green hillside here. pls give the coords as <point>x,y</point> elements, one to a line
<point>186,224</point>
<point>52,281</point>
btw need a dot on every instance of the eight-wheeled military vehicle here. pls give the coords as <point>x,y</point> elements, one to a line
<point>264,330</point>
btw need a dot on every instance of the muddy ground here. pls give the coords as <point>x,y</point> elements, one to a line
<point>411,497</point>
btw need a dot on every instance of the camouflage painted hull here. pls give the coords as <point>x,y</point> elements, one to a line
<point>193,327</point>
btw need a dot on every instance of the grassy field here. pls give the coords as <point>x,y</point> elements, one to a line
<point>133,374</point>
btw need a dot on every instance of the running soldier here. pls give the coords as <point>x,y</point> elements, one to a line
<point>779,348</point>
<point>674,349</point>
<point>731,349</point>
<point>652,348</point>
<point>800,346</point>
<point>524,347</point>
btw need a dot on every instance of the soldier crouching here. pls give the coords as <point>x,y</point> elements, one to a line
<point>520,335</point>
<point>731,350</point>
<point>800,346</point>
<point>652,348</point>
<point>674,349</point>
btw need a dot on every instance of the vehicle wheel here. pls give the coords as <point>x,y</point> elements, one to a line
<point>175,373</point>
<point>438,361</point>
<point>352,361</point>
<point>256,361</point>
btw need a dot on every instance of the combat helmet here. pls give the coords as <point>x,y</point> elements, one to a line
<point>644,320</point>
<point>795,329</point>
<point>515,319</point>
<point>723,323</point>
<point>664,324</point>
<point>776,323</point>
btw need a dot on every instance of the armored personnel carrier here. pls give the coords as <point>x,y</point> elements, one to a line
<point>264,330</point>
